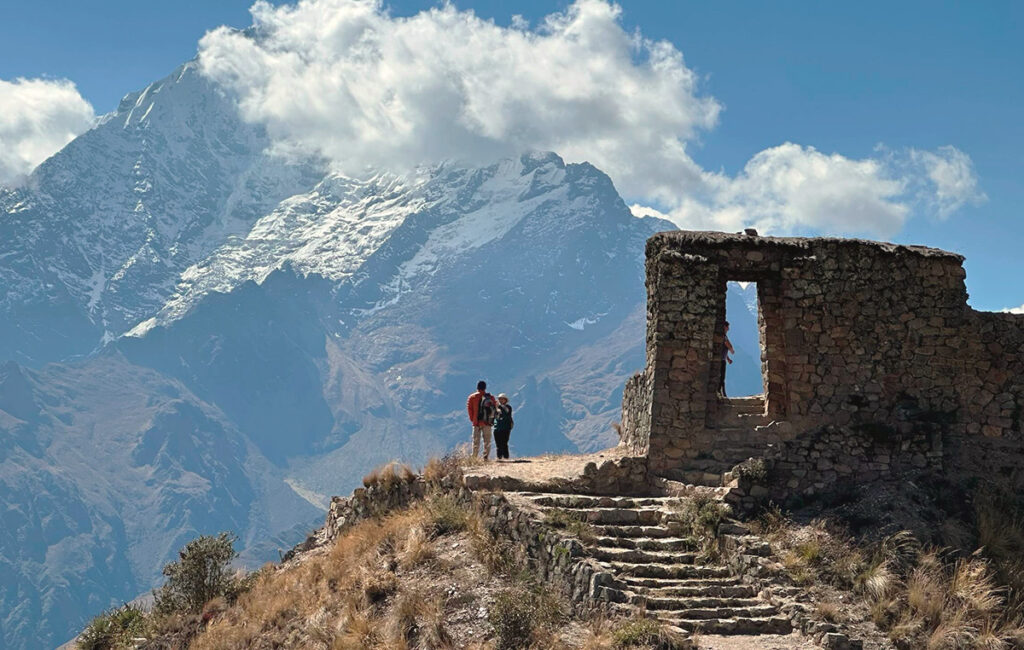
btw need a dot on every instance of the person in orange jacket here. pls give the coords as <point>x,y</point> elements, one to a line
<point>482,409</point>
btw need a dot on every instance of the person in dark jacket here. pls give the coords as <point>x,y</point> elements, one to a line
<point>503,426</point>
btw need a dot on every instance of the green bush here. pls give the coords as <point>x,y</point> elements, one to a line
<point>646,633</point>
<point>202,573</point>
<point>114,629</point>
<point>752,470</point>
<point>513,616</point>
<point>701,515</point>
<point>519,613</point>
<point>572,523</point>
<point>446,516</point>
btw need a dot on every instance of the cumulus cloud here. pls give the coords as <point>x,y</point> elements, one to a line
<point>1015,310</point>
<point>37,118</point>
<point>348,80</point>
<point>952,177</point>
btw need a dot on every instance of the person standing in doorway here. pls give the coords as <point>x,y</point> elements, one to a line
<point>482,410</point>
<point>727,349</point>
<point>503,426</point>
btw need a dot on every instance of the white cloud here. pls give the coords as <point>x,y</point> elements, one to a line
<point>1014,310</point>
<point>348,80</point>
<point>952,177</point>
<point>37,118</point>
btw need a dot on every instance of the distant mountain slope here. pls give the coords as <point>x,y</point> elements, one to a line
<point>106,469</point>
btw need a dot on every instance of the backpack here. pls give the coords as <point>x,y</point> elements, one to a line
<point>487,410</point>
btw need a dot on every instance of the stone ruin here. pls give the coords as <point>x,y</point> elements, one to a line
<point>871,360</point>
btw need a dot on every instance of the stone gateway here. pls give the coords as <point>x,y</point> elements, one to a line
<point>870,357</point>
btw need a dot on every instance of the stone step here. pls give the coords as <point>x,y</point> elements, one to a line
<point>752,610</point>
<point>776,624</point>
<point>578,501</point>
<point>753,401</point>
<point>700,590</point>
<point>638,556</point>
<point>649,543</point>
<point>650,570</point>
<point>745,421</point>
<point>644,582</point>
<point>711,474</point>
<point>610,516</point>
<point>633,531</point>
<point>620,516</point>
<point>700,603</point>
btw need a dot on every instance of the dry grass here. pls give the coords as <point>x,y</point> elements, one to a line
<point>829,610</point>
<point>389,475</point>
<point>921,598</point>
<point>636,634</point>
<point>349,597</point>
<point>415,579</point>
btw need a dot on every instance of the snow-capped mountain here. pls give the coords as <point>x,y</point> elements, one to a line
<point>235,336</point>
<point>96,240</point>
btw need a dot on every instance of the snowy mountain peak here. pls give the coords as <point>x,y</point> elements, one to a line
<point>333,229</point>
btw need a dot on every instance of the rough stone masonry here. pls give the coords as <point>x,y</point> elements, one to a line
<point>858,338</point>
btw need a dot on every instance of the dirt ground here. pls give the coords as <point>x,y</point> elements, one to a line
<point>537,469</point>
<point>763,642</point>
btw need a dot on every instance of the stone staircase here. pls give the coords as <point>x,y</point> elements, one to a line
<point>648,567</point>
<point>742,431</point>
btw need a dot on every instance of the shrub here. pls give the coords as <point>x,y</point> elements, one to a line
<point>700,516</point>
<point>513,616</point>
<point>752,470</point>
<point>520,614</point>
<point>389,475</point>
<point>646,633</point>
<point>572,523</point>
<point>201,574</point>
<point>446,516</point>
<point>114,628</point>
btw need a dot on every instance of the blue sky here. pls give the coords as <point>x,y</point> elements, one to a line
<point>839,77</point>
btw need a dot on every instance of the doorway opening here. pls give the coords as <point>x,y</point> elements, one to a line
<point>744,377</point>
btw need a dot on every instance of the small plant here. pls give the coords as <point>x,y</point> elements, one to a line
<point>201,574</point>
<point>114,629</point>
<point>700,516</point>
<point>447,467</point>
<point>377,585</point>
<point>513,616</point>
<point>828,610</point>
<point>752,470</point>
<point>646,633</point>
<point>446,516</point>
<point>418,549</point>
<point>495,554</point>
<point>389,475</point>
<point>572,523</point>
<point>770,522</point>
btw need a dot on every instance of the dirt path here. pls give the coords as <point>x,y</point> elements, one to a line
<point>761,642</point>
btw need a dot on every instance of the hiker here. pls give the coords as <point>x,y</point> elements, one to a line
<point>726,349</point>
<point>482,410</point>
<point>503,426</point>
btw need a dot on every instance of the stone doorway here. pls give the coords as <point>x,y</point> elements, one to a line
<point>771,402</point>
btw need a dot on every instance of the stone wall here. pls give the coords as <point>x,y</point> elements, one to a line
<point>636,413</point>
<point>855,334</point>
<point>832,458</point>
